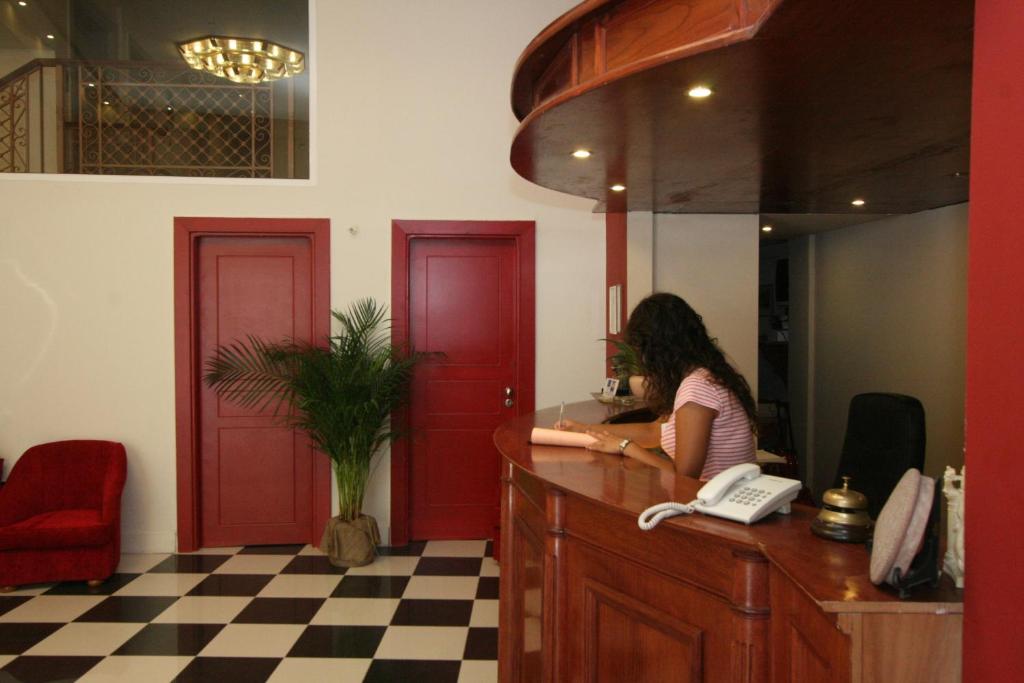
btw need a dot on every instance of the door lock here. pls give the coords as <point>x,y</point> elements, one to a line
<point>508,397</point>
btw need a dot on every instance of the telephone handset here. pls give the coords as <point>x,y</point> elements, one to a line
<point>740,493</point>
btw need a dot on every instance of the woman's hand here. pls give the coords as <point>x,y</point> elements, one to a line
<point>568,425</point>
<point>605,442</point>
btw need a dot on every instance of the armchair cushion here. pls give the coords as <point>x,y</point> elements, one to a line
<point>57,529</point>
<point>60,513</point>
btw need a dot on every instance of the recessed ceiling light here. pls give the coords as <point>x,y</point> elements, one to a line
<point>618,187</point>
<point>766,228</point>
<point>91,85</point>
<point>49,36</point>
<point>170,108</point>
<point>106,102</point>
<point>22,3</point>
<point>699,92</point>
<point>581,153</point>
<point>858,202</point>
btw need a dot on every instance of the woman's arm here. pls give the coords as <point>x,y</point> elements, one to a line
<point>646,434</point>
<point>606,442</point>
<point>693,433</point>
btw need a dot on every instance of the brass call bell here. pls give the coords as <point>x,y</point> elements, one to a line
<point>844,515</point>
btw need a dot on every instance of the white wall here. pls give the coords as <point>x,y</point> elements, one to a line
<point>890,305</point>
<point>414,122</point>
<point>12,59</point>
<point>712,262</point>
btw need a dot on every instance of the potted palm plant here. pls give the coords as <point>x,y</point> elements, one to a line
<point>341,394</point>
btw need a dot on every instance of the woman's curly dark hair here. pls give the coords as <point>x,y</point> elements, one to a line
<point>671,340</point>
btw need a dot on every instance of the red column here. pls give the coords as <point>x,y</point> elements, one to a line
<point>615,269</point>
<point>994,589</point>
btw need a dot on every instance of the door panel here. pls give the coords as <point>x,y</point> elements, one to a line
<point>463,397</point>
<point>462,300</point>
<point>447,451</point>
<point>256,476</point>
<point>248,458</point>
<point>462,303</point>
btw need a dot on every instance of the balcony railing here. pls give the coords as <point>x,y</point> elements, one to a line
<point>18,129</point>
<point>63,116</point>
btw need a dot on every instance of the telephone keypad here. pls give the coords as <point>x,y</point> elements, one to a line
<point>748,496</point>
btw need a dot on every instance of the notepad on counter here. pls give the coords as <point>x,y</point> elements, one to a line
<point>556,437</point>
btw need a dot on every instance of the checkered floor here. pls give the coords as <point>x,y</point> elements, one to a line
<point>426,612</point>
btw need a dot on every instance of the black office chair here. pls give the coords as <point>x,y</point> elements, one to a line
<point>884,438</point>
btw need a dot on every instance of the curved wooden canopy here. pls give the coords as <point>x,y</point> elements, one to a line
<point>814,104</point>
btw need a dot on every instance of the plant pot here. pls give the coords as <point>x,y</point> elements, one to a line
<point>350,544</point>
<point>636,385</point>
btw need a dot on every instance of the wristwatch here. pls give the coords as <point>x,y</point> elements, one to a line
<point>623,444</point>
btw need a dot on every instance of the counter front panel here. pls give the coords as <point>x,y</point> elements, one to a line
<point>587,596</point>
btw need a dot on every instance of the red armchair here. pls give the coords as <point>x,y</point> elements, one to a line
<point>60,514</point>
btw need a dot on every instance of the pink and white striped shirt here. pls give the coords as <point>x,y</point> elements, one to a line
<point>731,442</point>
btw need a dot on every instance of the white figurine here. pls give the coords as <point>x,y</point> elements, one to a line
<point>953,488</point>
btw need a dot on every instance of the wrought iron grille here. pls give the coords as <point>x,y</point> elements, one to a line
<point>14,126</point>
<point>156,120</point>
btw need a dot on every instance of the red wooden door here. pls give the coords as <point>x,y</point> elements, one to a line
<point>255,476</point>
<point>463,303</point>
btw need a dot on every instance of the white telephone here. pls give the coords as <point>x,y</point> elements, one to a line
<point>740,493</point>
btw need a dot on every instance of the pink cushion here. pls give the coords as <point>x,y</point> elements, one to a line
<point>57,529</point>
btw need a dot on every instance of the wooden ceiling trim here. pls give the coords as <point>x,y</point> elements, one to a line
<point>819,103</point>
<point>535,58</point>
<point>615,39</point>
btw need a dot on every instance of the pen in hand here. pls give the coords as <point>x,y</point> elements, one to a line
<point>561,414</point>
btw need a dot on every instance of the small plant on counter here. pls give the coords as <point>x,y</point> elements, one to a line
<point>625,364</point>
<point>625,361</point>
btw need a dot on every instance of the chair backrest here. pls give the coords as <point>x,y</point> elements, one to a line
<point>69,474</point>
<point>885,436</point>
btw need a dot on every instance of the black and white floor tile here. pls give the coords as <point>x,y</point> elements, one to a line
<point>427,612</point>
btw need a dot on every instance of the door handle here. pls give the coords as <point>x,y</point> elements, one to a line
<point>508,397</point>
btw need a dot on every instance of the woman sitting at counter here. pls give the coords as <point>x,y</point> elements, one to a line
<point>708,412</point>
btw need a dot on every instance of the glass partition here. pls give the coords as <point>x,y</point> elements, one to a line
<point>158,88</point>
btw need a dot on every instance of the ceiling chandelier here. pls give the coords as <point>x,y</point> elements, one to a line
<point>242,60</point>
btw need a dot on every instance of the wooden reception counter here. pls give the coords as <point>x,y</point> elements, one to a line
<point>587,596</point>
